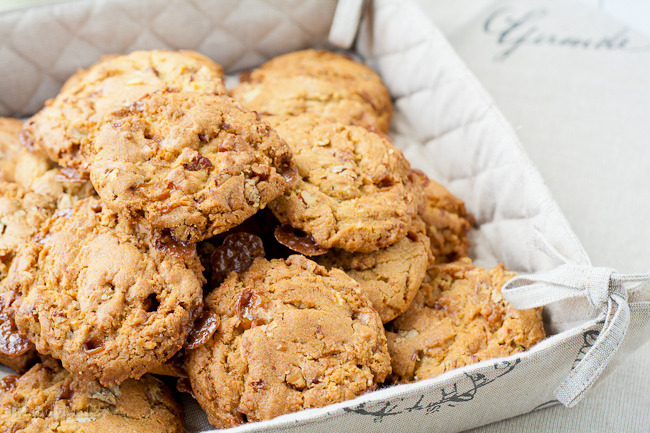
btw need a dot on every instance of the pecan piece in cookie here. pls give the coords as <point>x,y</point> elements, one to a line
<point>93,292</point>
<point>292,336</point>
<point>49,399</point>
<point>328,84</point>
<point>459,317</point>
<point>354,190</point>
<point>298,241</point>
<point>193,165</point>
<point>68,122</point>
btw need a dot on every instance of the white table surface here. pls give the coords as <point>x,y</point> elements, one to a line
<point>602,186</point>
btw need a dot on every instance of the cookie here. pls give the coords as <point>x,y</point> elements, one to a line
<point>34,172</point>
<point>22,211</point>
<point>70,120</point>
<point>320,82</point>
<point>459,317</point>
<point>20,363</point>
<point>391,276</point>
<point>63,187</point>
<point>17,163</point>
<point>292,336</point>
<point>21,214</point>
<point>447,223</point>
<point>189,165</point>
<point>49,399</point>
<point>92,291</point>
<point>353,190</point>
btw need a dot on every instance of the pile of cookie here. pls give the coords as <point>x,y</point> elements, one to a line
<point>265,248</point>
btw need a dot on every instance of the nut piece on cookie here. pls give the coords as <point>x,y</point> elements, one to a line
<point>459,317</point>
<point>49,399</point>
<point>353,191</point>
<point>292,336</point>
<point>67,122</point>
<point>446,219</point>
<point>391,276</point>
<point>187,164</point>
<point>321,82</point>
<point>91,291</point>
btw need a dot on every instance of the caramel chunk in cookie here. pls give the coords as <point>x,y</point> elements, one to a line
<point>292,336</point>
<point>91,291</point>
<point>192,165</point>
<point>68,122</point>
<point>320,82</point>
<point>391,276</point>
<point>36,173</point>
<point>447,222</point>
<point>459,317</point>
<point>353,192</point>
<point>20,363</point>
<point>49,399</point>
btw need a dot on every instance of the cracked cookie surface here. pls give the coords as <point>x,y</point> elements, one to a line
<point>92,292</point>
<point>49,399</point>
<point>391,276</point>
<point>191,165</point>
<point>459,317</point>
<point>292,336</point>
<point>321,82</point>
<point>353,191</point>
<point>69,121</point>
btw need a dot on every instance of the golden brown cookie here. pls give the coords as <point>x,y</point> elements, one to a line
<point>353,190</point>
<point>459,317</point>
<point>447,222</point>
<point>17,163</point>
<point>292,336</point>
<point>21,214</point>
<point>69,121</point>
<point>92,291</point>
<point>188,164</point>
<point>320,82</point>
<point>391,276</point>
<point>22,211</point>
<point>49,399</point>
<point>34,172</point>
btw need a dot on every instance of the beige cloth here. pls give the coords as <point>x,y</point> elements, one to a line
<point>583,115</point>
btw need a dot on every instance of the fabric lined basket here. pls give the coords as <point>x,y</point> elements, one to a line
<point>447,126</point>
